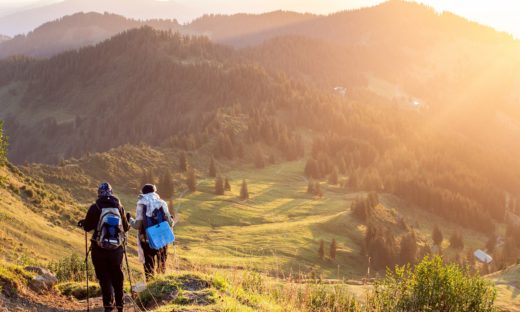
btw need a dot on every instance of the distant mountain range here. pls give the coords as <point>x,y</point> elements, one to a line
<point>27,20</point>
<point>4,38</point>
<point>75,31</point>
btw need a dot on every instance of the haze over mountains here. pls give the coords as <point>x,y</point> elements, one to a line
<point>25,21</point>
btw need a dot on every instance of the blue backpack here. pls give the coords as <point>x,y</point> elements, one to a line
<point>157,229</point>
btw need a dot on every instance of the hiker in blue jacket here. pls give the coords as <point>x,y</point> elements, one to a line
<point>149,204</point>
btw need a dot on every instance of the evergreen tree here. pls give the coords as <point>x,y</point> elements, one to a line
<point>259,159</point>
<point>333,177</point>
<point>191,180</point>
<point>244,193</point>
<point>456,241</point>
<point>219,186</point>
<point>183,162</point>
<point>310,187</point>
<point>333,249</point>
<point>491,243</point>
<point>321,250</point>
<point>311,169</point>
<point>165,187</point>
<point>317,189</point>
<point>227,186</point>
<point>212,168</point>
<point>272,159</point>
<point>437,236</point>
<point>408,250</point>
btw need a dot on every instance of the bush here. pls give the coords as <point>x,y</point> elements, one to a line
<point>432,286</point>
<point>72,268</point>
<point>78,290</point>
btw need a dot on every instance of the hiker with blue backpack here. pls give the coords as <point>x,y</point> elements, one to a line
<point>153,222</point>
<point>106,217</point>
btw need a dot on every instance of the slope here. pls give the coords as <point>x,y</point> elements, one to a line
<point>276,231</point>
<point>37,222</point>
<point>74,32</point>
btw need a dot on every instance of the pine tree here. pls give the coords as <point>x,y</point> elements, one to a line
<point>456,241</point>
<point>310,187</point>
<point>191,180</point>
<point>311,169</point>
<point>219,186</point>
<point>317,190</point>
<point>408,252</point>
<point>333,249</point>
<point>259,159</point>
<point>437,236</point>
<point>333,177</point>
<point>227,186</point>
<point>321,250</point>
<point>244,193</point>
<point>212,168</point>
<point>165,187</point>
<point>272,159</point>
<point>491,243</point>
<point>183,162</point>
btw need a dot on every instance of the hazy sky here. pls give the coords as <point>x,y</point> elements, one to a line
<point>500,14</point>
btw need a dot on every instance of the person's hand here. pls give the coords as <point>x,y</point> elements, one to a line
<point>81,223</point>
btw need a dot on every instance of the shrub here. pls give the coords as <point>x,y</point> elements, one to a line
<point>72,268</point>
<point>432,286</point>
<point>78,290</point>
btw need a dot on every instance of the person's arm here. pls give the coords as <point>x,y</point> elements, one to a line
<point>92,219</point>
<point>138,221</point>
<point>126,227</point>
<point>168,214</point>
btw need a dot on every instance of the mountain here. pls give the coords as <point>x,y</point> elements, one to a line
<point>177,87</point>
<point>73,32</point>
<point>4,38</point>
<point>27,20</point>
<point>236,29</point>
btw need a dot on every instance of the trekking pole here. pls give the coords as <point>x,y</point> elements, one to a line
<point>86,270</point>
<point>132,293</point>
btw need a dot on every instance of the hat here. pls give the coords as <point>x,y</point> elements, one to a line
<point>149,188</point>
<point>104,189</point>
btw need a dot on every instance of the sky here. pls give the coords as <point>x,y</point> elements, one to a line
<point>499,14</point>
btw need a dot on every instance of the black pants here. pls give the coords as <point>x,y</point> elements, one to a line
<point>109,271</point>
<point>162,255</point>
<point>149,260</point>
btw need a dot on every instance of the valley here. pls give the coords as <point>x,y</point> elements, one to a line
<point>305,156</point>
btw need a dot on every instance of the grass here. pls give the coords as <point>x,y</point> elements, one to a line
<point>27,229</point>
<point>276,232</point>
<point>12,278</point>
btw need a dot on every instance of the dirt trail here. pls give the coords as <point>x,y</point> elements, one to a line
<point>54,303</point>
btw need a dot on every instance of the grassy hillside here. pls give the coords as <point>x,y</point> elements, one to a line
<point>36,222</point>
<point>277,230</point>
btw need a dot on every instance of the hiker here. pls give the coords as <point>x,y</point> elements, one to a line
<point>150,207</point>
<point>108,220</point>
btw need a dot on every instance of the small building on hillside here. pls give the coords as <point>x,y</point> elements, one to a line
<point>482,256</point>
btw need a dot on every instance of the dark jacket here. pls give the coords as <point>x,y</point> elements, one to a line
<point>94,212</point>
